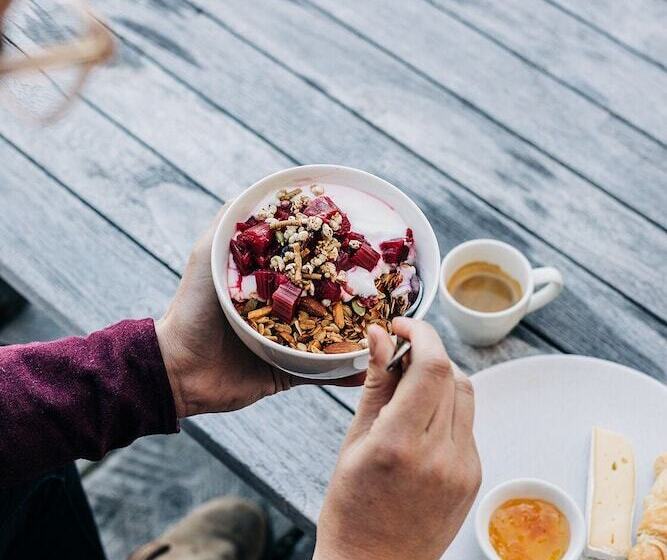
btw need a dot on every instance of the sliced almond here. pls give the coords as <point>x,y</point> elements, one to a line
<point>313,307</point>
<point>342,347</point>
<point>259,313</point>
<point>287,337</point>
<point>338,314</point>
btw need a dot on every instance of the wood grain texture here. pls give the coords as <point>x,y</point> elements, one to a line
<point>142,489</point>
<point>66,259</point>
<point>535,106</point>
<point>639,24</point>
<point>536,192</point>
<point>286,447</point>
<point>156,179</point>
<point>567,49</point>
<point>456,216</point>
<point>560,122</point>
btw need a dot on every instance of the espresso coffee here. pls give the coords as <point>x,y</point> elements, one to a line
<point>485,287</point>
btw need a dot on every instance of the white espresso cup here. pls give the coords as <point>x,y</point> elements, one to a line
<point>479,328</point>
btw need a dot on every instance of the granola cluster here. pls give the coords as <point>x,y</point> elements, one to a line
<point>300,250</point>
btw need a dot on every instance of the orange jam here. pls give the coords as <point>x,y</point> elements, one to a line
<point>526,529</point>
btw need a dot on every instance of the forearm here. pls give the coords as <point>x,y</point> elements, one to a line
<point>80,397</point>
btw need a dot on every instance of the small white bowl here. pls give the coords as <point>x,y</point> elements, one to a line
<point>535,489</point>
<point>306,364</point>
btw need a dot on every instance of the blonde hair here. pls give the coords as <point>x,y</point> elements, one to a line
<point>94,47</point>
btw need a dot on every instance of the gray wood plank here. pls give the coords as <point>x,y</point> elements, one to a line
<point>143,489</point>
<point>31,324</point>
<point>536,192</point>
<point>640,24</point>
<point>456,216</point>
<point>66,259</point>
<point>573,53</point>
<point>559,121</point>
<point>60,252</point>
<point>125,178</point>
<point>296,458</point>
<point>539,109</point>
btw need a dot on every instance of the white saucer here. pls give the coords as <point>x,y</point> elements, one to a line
<point>534,418</point>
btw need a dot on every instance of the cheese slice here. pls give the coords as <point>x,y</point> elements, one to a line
<point>611,496</point>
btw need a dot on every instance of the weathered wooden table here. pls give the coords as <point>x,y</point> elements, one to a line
<point>541,123</point>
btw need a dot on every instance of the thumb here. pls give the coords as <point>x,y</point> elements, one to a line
<point>379,386</point>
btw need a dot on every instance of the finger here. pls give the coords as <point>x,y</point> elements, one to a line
<point>463,416</point>
<point>442,420</point>
<point>380,384</point>
<point>205,241</point>
<point>428,383</point>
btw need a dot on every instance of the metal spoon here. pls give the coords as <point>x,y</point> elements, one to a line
<point>403,346</point>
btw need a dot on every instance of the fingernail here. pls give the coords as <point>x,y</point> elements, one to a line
<point>372,340</point>
<point>399,320</point>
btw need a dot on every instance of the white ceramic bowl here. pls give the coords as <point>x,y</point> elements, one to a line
<point>306,364</point>
<point>535,489</point>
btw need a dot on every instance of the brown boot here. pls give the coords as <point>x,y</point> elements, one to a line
<point>221,529</point>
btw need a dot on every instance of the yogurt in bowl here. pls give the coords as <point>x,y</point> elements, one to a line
<point>306,258</point>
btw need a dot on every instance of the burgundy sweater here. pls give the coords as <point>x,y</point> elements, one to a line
<point>80,398</point>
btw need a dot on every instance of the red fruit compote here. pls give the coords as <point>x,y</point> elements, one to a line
<point>312,268</point>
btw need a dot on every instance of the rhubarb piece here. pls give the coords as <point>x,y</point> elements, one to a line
<point>285,301</point>
<point>326,289</point>
<point>242,258</point>
<point>262,261</point>
<point>312,307</point>
<point>368,301</point>
<point>324,207</point>
<point>265,283</point>
<point>351,236</point>
<point>365,257</point>
<point>321,206</point>
<point>278,279</point>
<point>257,239</point>
<point>345,225</point>
<point>281,213</point>
<point>242,226</point>
<point>394,251</point>
<point>268,282</point>
<point>344,262</point>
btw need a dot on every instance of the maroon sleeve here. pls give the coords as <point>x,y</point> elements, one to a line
<point>80,398</point>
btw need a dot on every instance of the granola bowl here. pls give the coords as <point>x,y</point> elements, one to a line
<point>306,258</point>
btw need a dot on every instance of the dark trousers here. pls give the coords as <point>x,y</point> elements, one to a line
<point>48,517</point>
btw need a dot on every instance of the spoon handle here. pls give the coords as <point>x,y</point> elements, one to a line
<point>402,348</point>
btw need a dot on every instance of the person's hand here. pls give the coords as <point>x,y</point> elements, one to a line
<point>209,368</point>
<point>408,470</point>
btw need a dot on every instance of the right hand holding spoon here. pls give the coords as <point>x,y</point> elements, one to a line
<point>408,470</point>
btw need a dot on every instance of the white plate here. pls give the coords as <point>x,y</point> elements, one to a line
<point>534,418</point>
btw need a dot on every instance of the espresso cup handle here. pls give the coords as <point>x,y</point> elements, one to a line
<point>554,284</point>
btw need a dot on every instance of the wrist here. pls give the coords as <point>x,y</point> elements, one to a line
<point>169,353</point>
<point>341,549</point>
